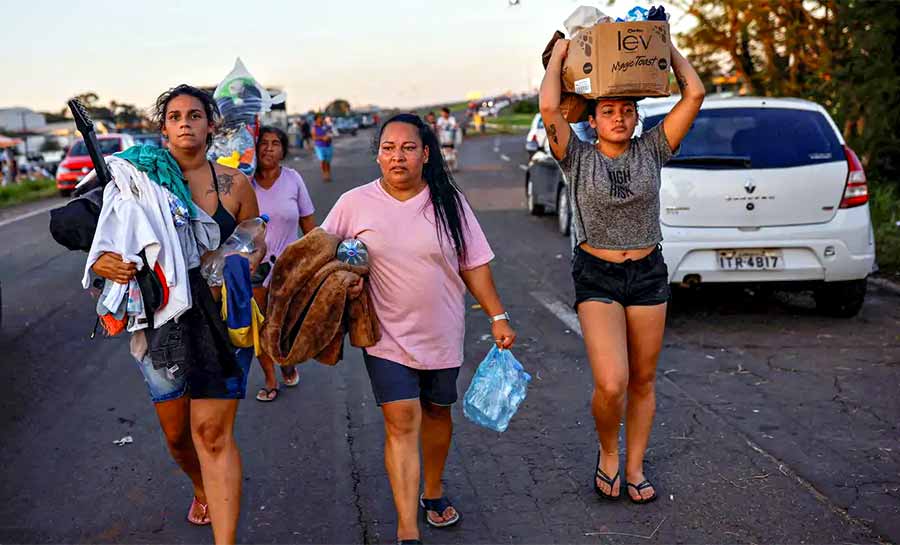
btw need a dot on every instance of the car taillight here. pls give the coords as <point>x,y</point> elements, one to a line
<point>534,138</point>
<point>856,192</point>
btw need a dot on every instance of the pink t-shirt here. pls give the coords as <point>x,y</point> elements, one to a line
<point>285,203</point>
<point>414,278</point>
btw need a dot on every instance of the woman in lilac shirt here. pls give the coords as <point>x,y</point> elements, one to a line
<point>282,195</point>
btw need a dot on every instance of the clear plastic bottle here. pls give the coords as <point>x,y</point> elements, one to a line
<point>498,388</point>
<point>247,237</point>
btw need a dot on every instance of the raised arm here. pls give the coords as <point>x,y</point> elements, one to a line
<point>678,122</point>
<point>558,131</point>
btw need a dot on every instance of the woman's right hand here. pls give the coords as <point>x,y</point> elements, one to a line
<point>560,49</point>
<point>111,266</point>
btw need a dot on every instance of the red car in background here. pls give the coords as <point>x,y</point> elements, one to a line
<point>78,163</point>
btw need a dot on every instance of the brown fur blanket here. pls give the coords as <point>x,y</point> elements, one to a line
<point>309,309</point>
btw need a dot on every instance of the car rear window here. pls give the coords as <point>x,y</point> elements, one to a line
<point>756,138</point>
<point>108,146</point>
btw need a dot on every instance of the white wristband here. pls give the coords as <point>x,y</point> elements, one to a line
<point>497,318</point>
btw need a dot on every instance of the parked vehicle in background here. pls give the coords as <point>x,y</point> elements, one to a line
<point>78,163</point>
<point>534,140</point>
<point>345,125</point>
<point>762,191</point>
<point>148,139</point>
<point>366,120</point>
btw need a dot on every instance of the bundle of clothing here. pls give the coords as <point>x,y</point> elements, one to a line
<point>149,219</point>
<point>310,309</point>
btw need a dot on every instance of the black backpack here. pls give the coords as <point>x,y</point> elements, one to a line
<point>73,224</point>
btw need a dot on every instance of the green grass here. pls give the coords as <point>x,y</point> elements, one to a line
<point>27,191</point>
<point>510,122</point>
<point>884,204</point>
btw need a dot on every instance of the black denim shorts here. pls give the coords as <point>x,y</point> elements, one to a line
<point>392,381</point>
<point>644,282</point>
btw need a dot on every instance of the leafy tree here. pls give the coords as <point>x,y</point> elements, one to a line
<point>839,53</point>
<point>338,108</point>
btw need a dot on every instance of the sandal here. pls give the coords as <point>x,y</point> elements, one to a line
<point>293,381</point>
<point>641,486</point>
<point>265,395</point>
<point>202,521</point>
<point>438,506</point>
<point>600,474</point>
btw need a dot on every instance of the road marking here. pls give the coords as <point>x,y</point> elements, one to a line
<point>559,309</point>
<point>523,167</point>
<point>505,157</point>
<point>29,215</point>
<point>570,319</point>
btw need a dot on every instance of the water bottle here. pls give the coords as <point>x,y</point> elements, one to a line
<point>247,237</point>
<point>498,388</point>
<point>354,252</point>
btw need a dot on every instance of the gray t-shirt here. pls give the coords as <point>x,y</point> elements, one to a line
<point>615,202</point>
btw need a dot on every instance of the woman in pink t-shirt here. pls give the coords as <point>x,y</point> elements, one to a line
<point>283,196</point>
<point>425,249</point>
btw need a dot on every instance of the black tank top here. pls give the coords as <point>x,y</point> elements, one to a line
<point>222,216</point>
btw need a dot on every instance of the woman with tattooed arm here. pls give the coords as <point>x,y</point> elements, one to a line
<point>621,280</point>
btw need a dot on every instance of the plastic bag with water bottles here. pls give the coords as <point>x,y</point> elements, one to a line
<point>498,388</point>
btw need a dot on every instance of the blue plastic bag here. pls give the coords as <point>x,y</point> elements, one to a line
<point>497,389</point>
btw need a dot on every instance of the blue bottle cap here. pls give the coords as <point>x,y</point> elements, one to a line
<point>264,217</point>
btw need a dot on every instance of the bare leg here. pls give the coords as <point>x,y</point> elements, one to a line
<point>402,422</point>
<point>212,427</point>
<point>437,431</point>
<point>175,419</point>
<point>646,325</point>
<point>604,330</point>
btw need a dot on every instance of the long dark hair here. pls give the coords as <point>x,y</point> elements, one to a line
<point>446,197</point>
<point>209,106</point>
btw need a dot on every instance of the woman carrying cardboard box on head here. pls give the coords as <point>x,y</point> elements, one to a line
<point>621,280</point>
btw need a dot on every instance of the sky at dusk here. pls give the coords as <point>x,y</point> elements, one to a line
<point>397,53</point>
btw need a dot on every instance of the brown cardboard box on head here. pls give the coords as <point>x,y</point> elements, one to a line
<point>619,60</point>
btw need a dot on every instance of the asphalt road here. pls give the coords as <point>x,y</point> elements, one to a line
<point>774,424</point>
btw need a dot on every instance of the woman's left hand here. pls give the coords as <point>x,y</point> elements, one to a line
<point>356,288</point>
<point>504,334</point>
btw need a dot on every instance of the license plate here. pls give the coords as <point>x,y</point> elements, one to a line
<point>751,260</point>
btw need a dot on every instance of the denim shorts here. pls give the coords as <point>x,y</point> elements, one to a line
<point>392,381</point>
<point>324,153</point>
<point>643,282</point>
<point>164,386</point>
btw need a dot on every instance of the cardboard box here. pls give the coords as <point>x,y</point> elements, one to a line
<point>619,60</point>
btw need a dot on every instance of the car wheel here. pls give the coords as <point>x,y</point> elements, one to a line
<point>563,213</point>
<point>841,299</point>
<point>533,208</point>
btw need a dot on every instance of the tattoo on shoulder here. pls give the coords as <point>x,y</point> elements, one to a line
<point>551,131</point>
<point>226,183</point>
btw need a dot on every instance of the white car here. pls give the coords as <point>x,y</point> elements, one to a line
<point>762,190</point>
<point>766,190</point>
<point>536,135</point>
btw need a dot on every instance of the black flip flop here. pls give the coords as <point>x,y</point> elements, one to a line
<point>641,486</point>
<point>438,506</point>
<point>600,474</point>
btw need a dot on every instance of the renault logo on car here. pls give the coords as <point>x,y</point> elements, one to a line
<point>750,187</point>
